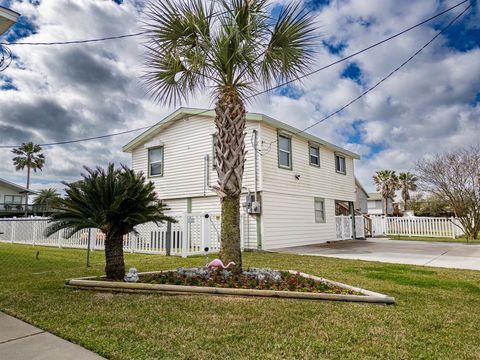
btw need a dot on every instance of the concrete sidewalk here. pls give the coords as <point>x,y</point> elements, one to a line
<point>22,341</point>
<point>426,253</point>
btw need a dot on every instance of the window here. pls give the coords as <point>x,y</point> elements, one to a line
<point>340,164</point>
<point>319,210</point>
<point>13,199</point>
<point>155,161</point>
<point>314,155</point>
<point>214,157</point>
<point>284,151</point>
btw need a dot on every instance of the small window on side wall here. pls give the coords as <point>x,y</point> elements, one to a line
<point>314,155</point>
<point>284,151</point>
<point>319,210</point>
<point>340,165</point>
<point>155,162</point>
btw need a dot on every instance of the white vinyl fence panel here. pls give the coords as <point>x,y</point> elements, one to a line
<point>344,227</point>
<point>190,235</point>
<point>416,226</point>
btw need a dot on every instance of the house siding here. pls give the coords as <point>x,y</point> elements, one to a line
<point>8,190</point>
<point>323,181</point>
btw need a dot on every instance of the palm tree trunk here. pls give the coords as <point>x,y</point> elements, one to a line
<point>230,154</point>
<point>28,187</point>
<point>114,264</point>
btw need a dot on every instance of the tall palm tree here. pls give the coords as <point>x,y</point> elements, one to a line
<point>386,182</point>
<point>231,48</point>
<point>407,183</point>
<point>114,201</point>
<point>29,155</point>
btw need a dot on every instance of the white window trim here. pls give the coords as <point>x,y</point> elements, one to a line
<point>322,211</point>
<point>312,145</point>
<point>344,172</point>
<point>156,162</point>
<point>290,152</point>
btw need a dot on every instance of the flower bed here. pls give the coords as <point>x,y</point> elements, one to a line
<point>253,278</point>
<point>253,282</point>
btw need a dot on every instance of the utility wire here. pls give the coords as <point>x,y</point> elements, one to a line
<point>386,77</point>
<point>75,41</point>
<point>359,52</point>
<point>270,89</point>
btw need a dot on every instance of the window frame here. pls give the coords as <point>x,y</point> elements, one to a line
<point>13,199</point>
<point>290,152</point>
<point>316,146</point>
<point>161,162</point>
<point>339,156</point>
<point>323,212</point>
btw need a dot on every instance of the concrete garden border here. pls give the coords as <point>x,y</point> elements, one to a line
<point>90,283</point>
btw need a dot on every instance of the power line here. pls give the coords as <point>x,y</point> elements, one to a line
<point>76,41</point>
<point>360,51</point>
<point>267,90</point>
<point>387,76</point>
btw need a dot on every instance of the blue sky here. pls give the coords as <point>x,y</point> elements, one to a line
<point>58,93</point>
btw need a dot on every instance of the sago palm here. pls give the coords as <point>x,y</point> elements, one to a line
<point>386,182</point>
<point>28,155</point>
<point>114,201</point>
<point>46,199</point>
<point>407,183</point>
<point>230,48</point>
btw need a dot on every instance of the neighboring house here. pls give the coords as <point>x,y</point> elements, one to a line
<point>361,198</point>
<point>12,198</point>
<point>7,19</point>
<point>375,204</point>
<point>291,182</point>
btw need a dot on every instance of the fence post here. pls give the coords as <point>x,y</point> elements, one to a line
<point>168,239</point>
<point>60,236</point>
<point>34,232</point>
<point>185,235</point>
<point>242,231</point>
<point>409,227</point>
<point>452,224</point>
<point>12,231</point>
<point>88,246</point>
<point>204,233</point>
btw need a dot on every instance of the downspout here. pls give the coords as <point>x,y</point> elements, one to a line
<point>206,175</point>
<point>255,163</point>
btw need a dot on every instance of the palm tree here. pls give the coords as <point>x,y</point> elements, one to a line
<point>28,156</point>
<point>114,201</point>
<point>407,183</point>
<point>231,48</point>
<point>386,182</point>
<point>47,199</point>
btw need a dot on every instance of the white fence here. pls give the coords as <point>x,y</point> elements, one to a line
<point>188,236</point>
<point>416,226</point>
<point>344,227</point>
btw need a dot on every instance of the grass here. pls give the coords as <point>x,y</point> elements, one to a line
<point>436,316</point>
<point>434,239</point>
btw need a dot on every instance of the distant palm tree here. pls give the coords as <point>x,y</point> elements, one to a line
<point>386,182</point>
<point>47,199</point>
<point>407,183</point>
<point>231,48</point>
<point>114,201</point>
<point>29,156</point>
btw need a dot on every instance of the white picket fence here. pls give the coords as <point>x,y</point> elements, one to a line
<point>344,227</point>
<point>188,236</point>
<point>416,226</point>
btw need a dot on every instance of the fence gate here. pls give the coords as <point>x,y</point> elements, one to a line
<point>344,227</point>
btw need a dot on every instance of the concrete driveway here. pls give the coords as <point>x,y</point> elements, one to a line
<point>439,254</point>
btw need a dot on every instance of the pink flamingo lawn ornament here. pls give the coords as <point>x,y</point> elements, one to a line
<point>218,264</point>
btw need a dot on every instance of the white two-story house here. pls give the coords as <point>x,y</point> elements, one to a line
<point>291,180</point>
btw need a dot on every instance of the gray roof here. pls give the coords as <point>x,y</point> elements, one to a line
<point>376,196</point>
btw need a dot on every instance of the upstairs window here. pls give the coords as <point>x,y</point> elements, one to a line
<point>340,165</point>
<point>284,151</point>
<point>13,199</point>
<point>319,210</point>
<point>314,155</point>
<point>155,161</point>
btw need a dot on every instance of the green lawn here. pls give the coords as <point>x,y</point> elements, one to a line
<point>436,316</point>
<point>437,239</point>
